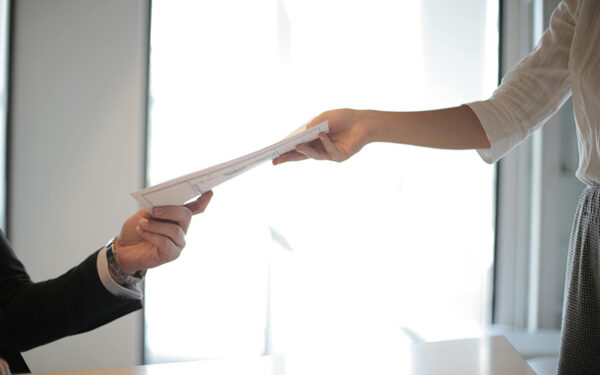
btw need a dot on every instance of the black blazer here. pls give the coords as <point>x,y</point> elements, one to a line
<point>33,314</point>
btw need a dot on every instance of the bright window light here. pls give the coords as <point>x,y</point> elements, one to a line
<point>319,260</point>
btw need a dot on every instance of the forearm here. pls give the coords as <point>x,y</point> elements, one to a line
<point>451,128</point>
<point>75,302</point>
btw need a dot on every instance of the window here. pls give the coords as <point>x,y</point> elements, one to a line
<point>316,258</point>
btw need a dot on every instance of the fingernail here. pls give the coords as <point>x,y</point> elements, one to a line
<point>144,222</point>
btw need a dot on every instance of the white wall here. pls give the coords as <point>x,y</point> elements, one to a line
<point>77,136</point>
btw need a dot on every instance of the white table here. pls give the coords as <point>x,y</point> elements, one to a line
<point>484,356</point>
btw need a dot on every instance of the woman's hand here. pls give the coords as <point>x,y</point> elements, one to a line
<point>350,130</point>
<point>148,239</point>
<point>348,133</point>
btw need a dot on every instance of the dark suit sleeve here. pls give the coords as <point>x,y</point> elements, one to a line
<point>38,313</point>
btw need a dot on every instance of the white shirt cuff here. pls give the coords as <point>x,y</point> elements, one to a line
<point>133,291</point>
<point>501,135</point>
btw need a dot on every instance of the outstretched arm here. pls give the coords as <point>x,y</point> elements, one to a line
<point>77,301</point>
<point>350,130</point>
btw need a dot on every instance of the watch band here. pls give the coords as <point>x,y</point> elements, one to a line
<point>121,276</point>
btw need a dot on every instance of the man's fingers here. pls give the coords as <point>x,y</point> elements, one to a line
<point>176,214</point>
<point>200,204</point>
<point>167,249</point>
<point>170,230</point>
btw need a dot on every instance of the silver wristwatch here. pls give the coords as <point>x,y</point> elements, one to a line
<point>121,276</point>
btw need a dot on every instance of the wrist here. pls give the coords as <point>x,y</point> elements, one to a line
<point>122,275</point>
<point>126,267</point>
<point>370,125</point>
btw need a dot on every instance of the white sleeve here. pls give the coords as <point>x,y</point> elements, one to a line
<point>533,90</point>
<point>133,291</point>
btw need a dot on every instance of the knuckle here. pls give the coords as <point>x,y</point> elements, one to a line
<point>150,224</point>
<point>164,242</point>
<point>180,233</point>
<point>187,215</point>
<point>175,254</point>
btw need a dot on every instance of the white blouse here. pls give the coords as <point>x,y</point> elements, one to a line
<point>565,62</point>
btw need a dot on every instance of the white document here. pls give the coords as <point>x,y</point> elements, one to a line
<point>181,189</point>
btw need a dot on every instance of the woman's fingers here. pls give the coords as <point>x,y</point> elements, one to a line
<point>334,153</point>
<point>289,156</point>
<point>317,153</point>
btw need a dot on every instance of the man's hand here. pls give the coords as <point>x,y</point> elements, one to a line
<point>148,239</point>
<point>348,133</point>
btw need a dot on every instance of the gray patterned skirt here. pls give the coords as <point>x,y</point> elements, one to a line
<point>580,339</point>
